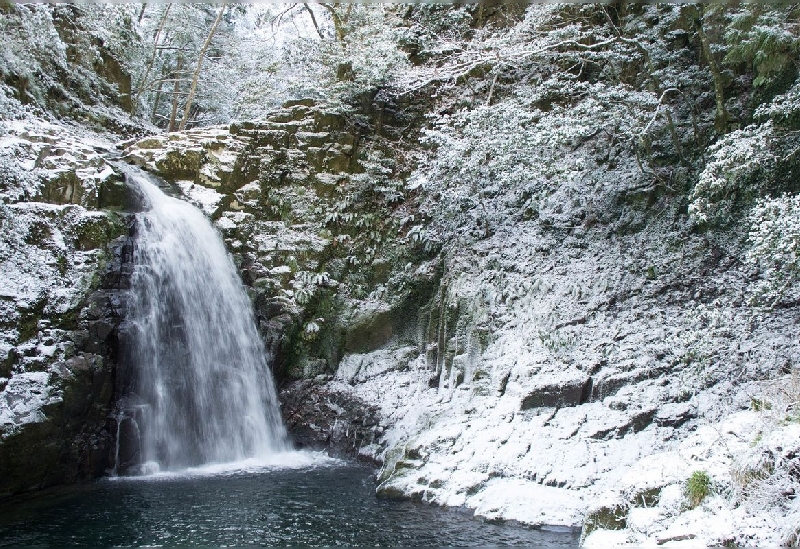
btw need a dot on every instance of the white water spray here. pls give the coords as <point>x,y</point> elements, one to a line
<point>202,374</point>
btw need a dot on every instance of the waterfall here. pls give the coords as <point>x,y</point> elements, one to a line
<point>202,382</point>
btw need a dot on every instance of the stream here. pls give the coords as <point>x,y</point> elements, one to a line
<point>324,502</point>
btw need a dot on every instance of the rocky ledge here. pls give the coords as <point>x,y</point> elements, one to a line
<point>320,416</point>
<point>65,257</point>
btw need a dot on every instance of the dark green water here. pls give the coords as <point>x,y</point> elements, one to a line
<point>323,505</point>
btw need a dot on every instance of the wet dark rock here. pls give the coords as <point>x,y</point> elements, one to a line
<point>102,329</point>
<point>610,517</point>
<point>640,420</point>
<point>75,442</point>
<point>72,444</point>
<point>321,418</point>
<point>569,393</point>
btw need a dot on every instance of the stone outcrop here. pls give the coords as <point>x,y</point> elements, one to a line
<point>64,247</point>
<point>63,61</point>
<point>321,417</point>
<point>65,261</point>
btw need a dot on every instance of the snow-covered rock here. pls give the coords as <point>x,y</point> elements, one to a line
<point>59,302</point>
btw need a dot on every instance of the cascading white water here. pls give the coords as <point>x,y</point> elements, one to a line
<point>202,378</point>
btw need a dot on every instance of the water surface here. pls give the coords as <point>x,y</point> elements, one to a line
<point>327,503</point>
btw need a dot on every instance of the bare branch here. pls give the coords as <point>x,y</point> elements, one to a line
<point>313,20</point>
<point>658,107</point>
<point>200,57</point>
<point>143,83</point>
<point>462,69</point>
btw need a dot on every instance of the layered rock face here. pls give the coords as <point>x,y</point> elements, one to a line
<point>64,243</point>
<point>64,254</point>
<point>540,371</point>
<point>295,200</point>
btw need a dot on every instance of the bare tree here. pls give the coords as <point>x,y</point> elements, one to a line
<point>195,76</point>
<point>159,30</point>
<point>721,116</point>
<point>339,21</point>
<point>175,94</point>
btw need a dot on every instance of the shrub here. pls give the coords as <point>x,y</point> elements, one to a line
<point>738,167</point>
<point>697,487</point>
<point>774,238</point>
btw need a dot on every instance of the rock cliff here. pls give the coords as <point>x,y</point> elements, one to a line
<point>64,255</point>
<point>531,370</point>
<point>64,246</point>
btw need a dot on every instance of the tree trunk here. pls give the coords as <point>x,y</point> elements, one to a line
<point>338,24</point>
<point>157,99</point>
<point>187,109</point>
<point>721,116</point>
<point>176,88</point>
<point>313,20</point>
<point>143,83</point>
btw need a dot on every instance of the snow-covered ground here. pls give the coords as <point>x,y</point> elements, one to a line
<point>556,466</point>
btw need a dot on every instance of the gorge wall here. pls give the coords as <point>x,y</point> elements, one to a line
<point>65,256</point>
<point>545,371</point>
<point>64,247</point>
<point>525,288</point>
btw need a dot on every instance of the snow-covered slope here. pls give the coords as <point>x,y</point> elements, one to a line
<point>596,385</point>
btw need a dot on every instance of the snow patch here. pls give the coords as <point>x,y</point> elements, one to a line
<point>529,503</point>
<point>203,197</point>
<point>22,400</point>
